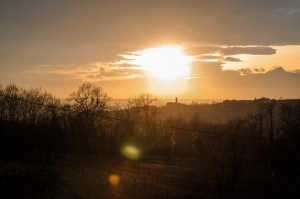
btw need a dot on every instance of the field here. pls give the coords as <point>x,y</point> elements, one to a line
<point>85,176</point>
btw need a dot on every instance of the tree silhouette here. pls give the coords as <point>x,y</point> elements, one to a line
<point>89,102</point>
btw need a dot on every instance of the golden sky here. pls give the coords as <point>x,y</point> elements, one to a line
<point>188,48</point>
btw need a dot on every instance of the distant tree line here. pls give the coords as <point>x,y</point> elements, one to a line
<point>87,123</point>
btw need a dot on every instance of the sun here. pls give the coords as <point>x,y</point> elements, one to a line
<point>165,62</point>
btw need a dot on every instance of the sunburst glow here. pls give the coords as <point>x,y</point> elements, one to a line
<point>166,62</point>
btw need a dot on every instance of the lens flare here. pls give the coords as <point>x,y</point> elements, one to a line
<point>131,152</point>
<point>114,180</point>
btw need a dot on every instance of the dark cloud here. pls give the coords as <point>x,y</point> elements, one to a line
<point>209,57</point>
<point>248,50</point>
<point>213,52</point>
<point>277,70</point>
<point>259,70</point>
<point>232,59</point>
<point>245,71</point>
<point>245,84</point>
<point>64,32</point>
<point>202,50</point>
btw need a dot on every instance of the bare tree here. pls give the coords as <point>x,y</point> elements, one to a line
<point>91,103</point>
<point>145,107</point>
<point>11,104</point>
<point>89,99</point>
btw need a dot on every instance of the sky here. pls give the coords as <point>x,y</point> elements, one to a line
<point>238,49</point>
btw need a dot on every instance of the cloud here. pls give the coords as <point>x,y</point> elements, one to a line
<point>201,50</point>
<point>259,70</point>
<point>250,71</point>
<point>116,74</point>
<point>248,50</point>
<point>209,58</point>
<point>224,53</point>
<point>278,71</point>
<point>202,68</point>
<point>245,71</point>
<point>244,84</point>
<point>68,33</point>
<point>232,59</point>
<point>92,72</point>
<point>208,81</point>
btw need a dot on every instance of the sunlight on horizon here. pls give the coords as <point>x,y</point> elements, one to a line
<point>164,62</point>
<point>165,68</point>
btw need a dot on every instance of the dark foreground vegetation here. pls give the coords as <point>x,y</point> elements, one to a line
<point>233,149</point>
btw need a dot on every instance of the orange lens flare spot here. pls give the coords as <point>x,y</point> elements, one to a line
<point>114,180</point>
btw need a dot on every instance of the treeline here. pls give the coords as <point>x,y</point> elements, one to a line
<point>35,120</point>
<point>268,118</point>
<point>253,156</point>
